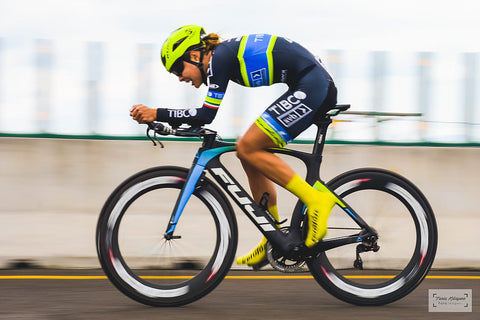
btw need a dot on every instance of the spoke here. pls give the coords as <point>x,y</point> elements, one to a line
<point>344,228</point>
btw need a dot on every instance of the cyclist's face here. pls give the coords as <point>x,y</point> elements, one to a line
<point>191,74</point>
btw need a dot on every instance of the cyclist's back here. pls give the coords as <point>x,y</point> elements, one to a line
<point>259,60</point>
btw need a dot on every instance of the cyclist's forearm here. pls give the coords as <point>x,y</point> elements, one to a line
<point>198,116</point>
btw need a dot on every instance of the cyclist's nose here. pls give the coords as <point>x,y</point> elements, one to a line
<point>184,79</point>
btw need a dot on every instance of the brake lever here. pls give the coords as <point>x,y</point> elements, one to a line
<point>154,139</point>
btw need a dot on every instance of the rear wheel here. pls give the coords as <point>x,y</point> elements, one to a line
<point>146,266</point>
<point>407,237</point>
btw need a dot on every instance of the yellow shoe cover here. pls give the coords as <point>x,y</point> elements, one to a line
<point>255,256</point>
<point>318,214</point>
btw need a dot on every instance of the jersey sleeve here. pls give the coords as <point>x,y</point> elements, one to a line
<point>221,64</point>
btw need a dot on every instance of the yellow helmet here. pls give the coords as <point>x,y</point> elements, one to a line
<point>180,41</point>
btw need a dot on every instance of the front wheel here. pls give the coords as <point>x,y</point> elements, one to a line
<point>137,257</point>
<point>407,239</point>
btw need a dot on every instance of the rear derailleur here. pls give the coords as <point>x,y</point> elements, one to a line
<point>369,244</point>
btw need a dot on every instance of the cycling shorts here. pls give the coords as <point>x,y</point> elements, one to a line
<point>294,111</point>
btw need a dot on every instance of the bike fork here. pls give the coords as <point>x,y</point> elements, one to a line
<point>194,175</point>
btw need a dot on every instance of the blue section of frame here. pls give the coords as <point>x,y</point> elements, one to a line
<point>197,171</point>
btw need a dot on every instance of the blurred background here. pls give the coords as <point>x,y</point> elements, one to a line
<point>73,69</point>
<point>76,67</point>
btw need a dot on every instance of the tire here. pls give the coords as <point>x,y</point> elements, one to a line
<point>138,259</point>
<point>407,233</point>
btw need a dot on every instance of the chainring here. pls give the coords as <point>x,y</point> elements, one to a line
<point>281,263</point>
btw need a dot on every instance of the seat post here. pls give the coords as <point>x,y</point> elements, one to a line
<point>322,126</point>
<point>322,123</point>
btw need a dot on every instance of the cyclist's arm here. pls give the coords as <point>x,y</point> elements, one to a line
<point>194,116</point>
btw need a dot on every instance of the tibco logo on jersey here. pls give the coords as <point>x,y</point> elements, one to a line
<point>284,105</point>
<point>182,113</point>
<point>291,110</point>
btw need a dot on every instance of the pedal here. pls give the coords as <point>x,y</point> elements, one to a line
<point>260,265</point>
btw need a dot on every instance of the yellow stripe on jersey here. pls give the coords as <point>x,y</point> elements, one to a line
<point>256,59</point>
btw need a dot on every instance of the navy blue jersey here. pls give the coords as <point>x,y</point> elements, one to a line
<point>253,61</point>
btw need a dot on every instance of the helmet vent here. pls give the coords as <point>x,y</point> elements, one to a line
<point>179,42</point>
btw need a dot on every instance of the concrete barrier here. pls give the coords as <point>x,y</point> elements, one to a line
<point>52,191</point>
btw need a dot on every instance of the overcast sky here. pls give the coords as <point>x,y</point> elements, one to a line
<point>375,24</point>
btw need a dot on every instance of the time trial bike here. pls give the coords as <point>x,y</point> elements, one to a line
<point>167,236</point>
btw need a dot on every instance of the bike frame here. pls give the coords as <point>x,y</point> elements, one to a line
<point>290,243</point>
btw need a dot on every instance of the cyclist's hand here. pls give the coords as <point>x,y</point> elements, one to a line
<point>143,114</point>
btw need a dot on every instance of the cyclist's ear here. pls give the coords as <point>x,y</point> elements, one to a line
<point>195,56</point>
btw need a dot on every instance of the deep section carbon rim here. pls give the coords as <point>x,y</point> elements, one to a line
<point>151,269</point>
<point>401,215</point>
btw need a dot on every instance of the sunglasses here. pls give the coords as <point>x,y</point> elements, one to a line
<point>177,68</point>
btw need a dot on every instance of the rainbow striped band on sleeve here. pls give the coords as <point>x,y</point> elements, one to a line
<point>213,99</point>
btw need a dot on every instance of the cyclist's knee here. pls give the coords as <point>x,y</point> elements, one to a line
<point>252,142</point>
<point>247,147</point>
<point>244,149</point>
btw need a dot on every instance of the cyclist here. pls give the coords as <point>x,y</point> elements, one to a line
<point>252,61</point>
